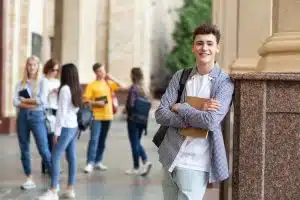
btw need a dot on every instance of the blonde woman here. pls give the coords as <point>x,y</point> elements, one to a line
<point>30,118</point>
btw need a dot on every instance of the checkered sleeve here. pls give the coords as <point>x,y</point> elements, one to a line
<point>209,119</point>
<point>163,114</point>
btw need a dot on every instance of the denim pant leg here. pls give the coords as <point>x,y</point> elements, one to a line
<point>50,145</point>
<point>134,142</point>
<point>71,157</point>
<point>38,127</point>
<point>142,152</point>
<point>23,133</point>
<point>185,184</point>
<point>67,137</point>
<point>93,142</point>
<point>105,125</point>
<point>192,183</point>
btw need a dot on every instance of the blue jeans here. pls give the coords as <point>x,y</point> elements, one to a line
<point>135,131</point>
<point>34,121</point>
<point>66,142</point>
<point>184,184</point>
<point>99,130</point>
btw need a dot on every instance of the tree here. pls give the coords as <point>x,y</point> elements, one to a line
<point>191,15</point>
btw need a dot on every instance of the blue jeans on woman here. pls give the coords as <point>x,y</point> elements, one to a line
<point>66,143</point>
<point>99,130</point>
<point>34,121</point>
<point>135,131</point>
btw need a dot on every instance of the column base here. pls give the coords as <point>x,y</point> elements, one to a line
<point>280,53</point>
<point>244,65</point>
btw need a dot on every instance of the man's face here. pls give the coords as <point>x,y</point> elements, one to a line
<point>205,48</point>
<point>100,72</point>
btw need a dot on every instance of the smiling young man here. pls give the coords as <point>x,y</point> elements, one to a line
<point>190,163</point>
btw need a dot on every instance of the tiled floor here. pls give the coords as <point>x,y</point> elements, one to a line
<point>110,185</point>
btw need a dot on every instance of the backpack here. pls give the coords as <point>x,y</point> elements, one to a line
<point>161,132</point>
<point>84,118</point>
<point>141,109</point>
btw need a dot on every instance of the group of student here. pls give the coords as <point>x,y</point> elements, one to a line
<point>47,107</point>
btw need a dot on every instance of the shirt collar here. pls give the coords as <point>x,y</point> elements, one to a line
<point>212,74</point>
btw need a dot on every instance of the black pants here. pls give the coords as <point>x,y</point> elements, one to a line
<point>50,145</point>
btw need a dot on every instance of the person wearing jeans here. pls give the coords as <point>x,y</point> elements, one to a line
<point>66,129</point>
<point>136,129</point>
<point>192,161</point>
<point>50,84</point>
<point>99,95</point>
<point>30,118</point>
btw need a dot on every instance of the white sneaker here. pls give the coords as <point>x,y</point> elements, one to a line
<point>100,166</point>
<point>146,169</point>
<point>89,168</point>
<point>132,172</point>
<point>29,184</point>
<point>49,195</point>
<point>68,194</point>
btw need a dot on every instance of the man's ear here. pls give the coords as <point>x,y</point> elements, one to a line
<point>218,48</point>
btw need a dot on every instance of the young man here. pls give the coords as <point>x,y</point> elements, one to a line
<point>99,94</point>
<point>190,163</point>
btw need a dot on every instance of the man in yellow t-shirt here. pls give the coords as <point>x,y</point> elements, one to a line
<point>99,94</point>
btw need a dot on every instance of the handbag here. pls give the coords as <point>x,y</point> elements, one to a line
<point>161,132</point>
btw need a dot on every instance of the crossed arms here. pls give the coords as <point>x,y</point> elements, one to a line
<point>182,115</point>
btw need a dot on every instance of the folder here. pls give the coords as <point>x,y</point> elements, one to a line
<point>24,93</point>
<point>197,103</point>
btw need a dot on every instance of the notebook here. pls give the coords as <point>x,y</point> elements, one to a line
<point>24,93</point>
<point>197,103</point>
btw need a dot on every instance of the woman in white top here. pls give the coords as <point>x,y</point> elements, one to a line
<point>50,84</point>
<point>69,101</point>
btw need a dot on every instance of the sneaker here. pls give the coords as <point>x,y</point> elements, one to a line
<point>146,169</point>
<point>68,194</point>
<point>29,184</point>
<point>89,168</point>
<point>49,195</point>
<point>132,172</point>
<point>100,166</point>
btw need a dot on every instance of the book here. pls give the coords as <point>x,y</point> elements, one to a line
<point>197,103</point>
<point>24,93</point>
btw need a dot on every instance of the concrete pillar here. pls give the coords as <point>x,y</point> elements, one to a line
<point>77,35</point>
<point>281,51</point>
<point>102,31</point>
<point>225,16</point>
<point>46,45</point>
<point>254,25</point>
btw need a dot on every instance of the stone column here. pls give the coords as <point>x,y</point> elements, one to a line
<point>77,35</point>
<point>46,46</point>
<point>102,39</point>
<point>281,51</point>
<point>266,146</point>
<point>225,16</point>
<point>254,24</point>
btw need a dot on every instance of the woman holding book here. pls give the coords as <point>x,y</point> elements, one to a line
<point>30,118</point>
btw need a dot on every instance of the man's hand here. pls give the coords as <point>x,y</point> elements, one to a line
<point>175,107</point>
<point>211,105</point>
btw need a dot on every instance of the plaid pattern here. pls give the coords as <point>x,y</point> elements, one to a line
<point>222,89</point>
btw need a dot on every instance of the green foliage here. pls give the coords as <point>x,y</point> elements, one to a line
<point>191,15</point>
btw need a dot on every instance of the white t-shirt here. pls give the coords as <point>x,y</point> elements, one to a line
<point>49,85</point>
<point>66,116</point>
<point>194,153</point>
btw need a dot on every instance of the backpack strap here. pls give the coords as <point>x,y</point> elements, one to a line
<point>184,76</point>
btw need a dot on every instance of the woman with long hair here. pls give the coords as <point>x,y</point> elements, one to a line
<point>66,128</point>
<point>30,118</point>
<point>136,129</point>
<point>50,84</point>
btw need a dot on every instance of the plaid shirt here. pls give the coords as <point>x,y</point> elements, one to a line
<point>222,90</point>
